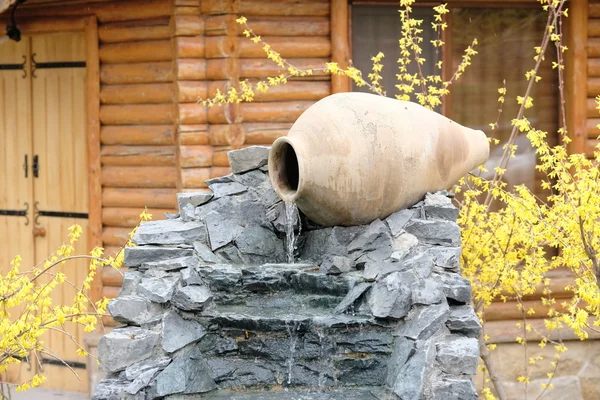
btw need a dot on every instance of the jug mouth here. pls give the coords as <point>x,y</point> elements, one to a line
<point>285,169</point>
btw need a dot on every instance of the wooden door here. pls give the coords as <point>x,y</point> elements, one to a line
<point>16,195</point>
<point>60,185</point>
<point>43,179</point>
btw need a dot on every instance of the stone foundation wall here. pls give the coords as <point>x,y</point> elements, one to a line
<point>209,307</point>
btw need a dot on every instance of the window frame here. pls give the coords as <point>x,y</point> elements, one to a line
<point>446,57</point>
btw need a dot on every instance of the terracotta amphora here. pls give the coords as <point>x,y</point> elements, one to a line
<point>354,157</point>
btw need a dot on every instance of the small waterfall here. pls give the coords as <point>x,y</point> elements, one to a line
<point>293,339</point>
<point>291,214</point>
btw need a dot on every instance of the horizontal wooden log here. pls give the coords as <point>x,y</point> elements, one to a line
<point>105,11</point>
<point>593,87</point>
<point>129,217</point>
<point>139,177</point>
<point>145,93</point>
<point>110,292</point>
<point>594,27</point>
<point>195,177</point>
<point>217,172</point>
<point>195,156</point>
<point>186,10</point>
<point>140,198</point>
<point>187,3</point>
<point>508,331</point>
<point>136,52</point>
<point>594,10</point>
<point>217,25</point>
<point>220,158</point>
<point>56,24</point>
<point>225,68</point>
<point>112,276</point>
<point>509,310</point>
<point>591,147</point>
<point>193,134</point>
<point>137,73</point>
<point>265,133</point>
<point>282,111</point>
<point>266,7</point>
<point>138,155</point>
<point>115,236</point>
<point>136,114</point>
<point>226,135</point>
<point>593,67</point>
<point>592,111</point>
<point>120,34</point>
<point>593,47</point>
<point>192,69</point>
<point>187,25</point>
<point>191,91</point>
<point>190,47</point>
<point>228,113</point>
<point>112,251</point>
<point>293,90</point>
<point>288,47</point>
<point>592,128</point>
<point>259,68</point>
<point>137,134</point>
<point>202,190</point>
<point>192,113</point>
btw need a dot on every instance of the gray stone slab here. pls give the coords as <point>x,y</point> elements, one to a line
<point>398,220</point>
<point>134,310</point>
<point>298,394</point>
<point>189,373</point>
<point>192,298</point>
<point>124,346</point>
<point>158,361</point>
<point>169,232</point>
<point>454,389</point>
<point>178,332</point>
<point>226,189</point>
<point>455,287</point>
<point>423,322</point>
<point>458,355</point>
<point>172,264</point>
<point>158,289</point>
<point>137,255</point>
<point>391,297</point>
<point>247,159</point>
<point>445,233</point>
<point>463,320</point>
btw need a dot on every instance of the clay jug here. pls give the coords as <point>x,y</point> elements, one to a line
<point>354,157</point>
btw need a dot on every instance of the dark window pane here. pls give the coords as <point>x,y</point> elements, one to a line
<point>377,28</point>
<point>507,38</point>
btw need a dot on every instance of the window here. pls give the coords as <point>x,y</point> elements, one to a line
<point>506,36</point>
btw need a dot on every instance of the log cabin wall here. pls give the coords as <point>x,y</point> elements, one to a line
<point>593,76</point>
<point>137,112</point>
<point>138,126</point>
<point>212,54</point>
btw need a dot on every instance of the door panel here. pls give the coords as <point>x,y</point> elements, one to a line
<point>15,189</point>
<point>59,141</point>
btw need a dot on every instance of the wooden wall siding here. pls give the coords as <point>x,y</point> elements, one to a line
<point>138,125</point>
<point>593,76</point>
<point>213,54</point>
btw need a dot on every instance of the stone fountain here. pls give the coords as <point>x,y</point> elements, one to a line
<point>212,309</point>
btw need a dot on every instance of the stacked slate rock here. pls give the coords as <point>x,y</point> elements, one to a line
<point>209,309</point>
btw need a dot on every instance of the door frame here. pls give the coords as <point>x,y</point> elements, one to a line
<point>89,26</point>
